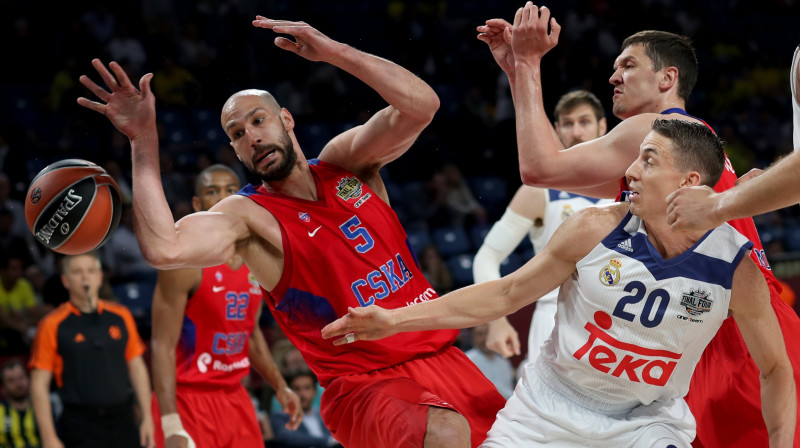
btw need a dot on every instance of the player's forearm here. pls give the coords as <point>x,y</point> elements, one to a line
<point>153,220</point>
<point>463,308</point>
<point>776,188</point>
<point>42,410</point>
<point>141,385</point>
<point>397,86</point>
<point>164,377</point>
<point>537,142</point>
<point>780,406</point>
<point>263,363</point>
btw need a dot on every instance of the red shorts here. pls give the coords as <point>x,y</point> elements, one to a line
<point>214,418</point>
<point>389,407</point>
<point>725,393</point>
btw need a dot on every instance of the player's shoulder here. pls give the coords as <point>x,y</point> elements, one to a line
<point>601,218</point>
<point>587,227</point>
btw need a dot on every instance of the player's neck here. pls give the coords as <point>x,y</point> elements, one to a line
<point>668,242</point>
<point>84,304</point>
<point>668,102</point>
<point>299,183</point>
<point>235,263</point>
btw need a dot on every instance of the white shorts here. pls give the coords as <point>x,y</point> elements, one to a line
<point>539,415</point>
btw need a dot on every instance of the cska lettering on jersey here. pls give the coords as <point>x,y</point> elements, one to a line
<point>614,357</point>
<point>380,283</point>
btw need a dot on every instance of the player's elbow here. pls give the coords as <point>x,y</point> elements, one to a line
<point>534,175</point>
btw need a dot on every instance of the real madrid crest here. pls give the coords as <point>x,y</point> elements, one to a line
<point>566,211</point>
<point>609,275</point>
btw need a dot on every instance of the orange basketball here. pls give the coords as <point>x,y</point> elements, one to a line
<point>73,206</point>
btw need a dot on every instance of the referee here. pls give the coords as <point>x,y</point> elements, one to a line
<point>93,350</point>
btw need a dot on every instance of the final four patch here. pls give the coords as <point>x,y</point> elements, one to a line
<point>696,302</point>
<point>348,188</point>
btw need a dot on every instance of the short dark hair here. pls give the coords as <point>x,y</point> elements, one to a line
<point>299,373</point>
<point>571,100</point>
<point>198,181</point>
<point>669,50</point>
<point>695,148</point>
<point>11,364</point>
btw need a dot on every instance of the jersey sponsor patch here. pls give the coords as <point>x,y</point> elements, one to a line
<point>610,274</point>
<point>609,355</point>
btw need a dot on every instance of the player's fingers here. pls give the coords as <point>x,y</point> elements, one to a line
<point>507,35</point>
<point>97,107</point>
<point>555,29</point>
<point>121,76</point>
<point>144,84</point>
<point>518,17</point>
<point>108,78</point>
<point>544,15</point>
<point>515,346</point>
<point>94,88</point>
<point>286,44</point>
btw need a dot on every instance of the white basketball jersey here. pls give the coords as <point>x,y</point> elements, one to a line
<point>631,326</point>
<point>559,205</point>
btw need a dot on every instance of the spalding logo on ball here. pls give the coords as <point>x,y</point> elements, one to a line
<point>73,206</point>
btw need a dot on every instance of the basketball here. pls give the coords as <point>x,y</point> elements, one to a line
<point>73,206</point>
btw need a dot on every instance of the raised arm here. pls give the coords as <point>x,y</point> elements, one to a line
<point>483,302</point>
<point>750,305</point>
<point>392,130</point>
<point>544,162</point>
<point>264,364</point>
<point>169,304</point>
<point>700,208</point>
<point>132,112</point>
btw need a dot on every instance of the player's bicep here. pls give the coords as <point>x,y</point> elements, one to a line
<point>751,307</point>
<point>208,238</point>
<point>366,148</point>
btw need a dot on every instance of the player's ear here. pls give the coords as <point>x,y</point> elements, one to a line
<point>287,119</point>
<point>692,179</point>
<point>196,204</point>
<point>669,78</point>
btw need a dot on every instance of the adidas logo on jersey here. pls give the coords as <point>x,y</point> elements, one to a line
<point>626,245</point>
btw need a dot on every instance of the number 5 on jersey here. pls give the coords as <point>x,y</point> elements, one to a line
<point>353,230</point>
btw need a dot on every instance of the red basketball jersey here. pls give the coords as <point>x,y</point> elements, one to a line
<point>745,226</point>
<point>219,319</point>
<point>347,249</point>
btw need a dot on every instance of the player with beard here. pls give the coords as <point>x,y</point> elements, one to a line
<point>319,236</point>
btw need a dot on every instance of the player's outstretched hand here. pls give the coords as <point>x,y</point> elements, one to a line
<point>308,41</point>
<point>132,111</point>
<point>360,324</point>
<point>497,35</point>
<point>693,208</point>
<point>529,36</point>
<point>503,338</point>
<point>290,404</point>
